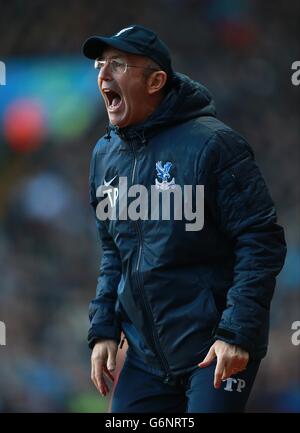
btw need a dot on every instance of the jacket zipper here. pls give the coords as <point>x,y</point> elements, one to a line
<point>139,257</point>
<point>132,179</point>
<point>160,353</point>
<point>134,166</point>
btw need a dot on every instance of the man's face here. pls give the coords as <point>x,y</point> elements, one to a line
<point>125,94</point>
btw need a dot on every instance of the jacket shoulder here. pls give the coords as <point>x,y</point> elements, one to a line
<point>223,144</point>
<point>100,146</point>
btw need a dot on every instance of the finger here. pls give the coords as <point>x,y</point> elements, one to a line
<point>219,371</point>
<point>100,383</point>
<point>242,362</point>
<point>108,373</point>
<point>238,369</point>
<point>244,365</point>
<point>111,361</point>
<point>226,374</point>
<point>93,375</point>
<point>233,369</point>
<point>209,358</point>
<point>104,387</point>
<point>97,382</point>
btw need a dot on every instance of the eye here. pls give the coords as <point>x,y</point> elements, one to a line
<point>99,64</point>
<point>118,66</point>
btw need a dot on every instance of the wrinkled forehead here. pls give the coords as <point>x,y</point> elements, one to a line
<point>111,52</point>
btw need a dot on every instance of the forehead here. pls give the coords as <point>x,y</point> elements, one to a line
<point>110,52</point>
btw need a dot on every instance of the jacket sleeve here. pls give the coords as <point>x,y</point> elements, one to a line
<point>103,321</point>
<point>244,211</point>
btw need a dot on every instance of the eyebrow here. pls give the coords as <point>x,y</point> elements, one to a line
<point>111,58</point>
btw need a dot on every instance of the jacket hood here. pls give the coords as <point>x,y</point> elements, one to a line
<point>186,100</point>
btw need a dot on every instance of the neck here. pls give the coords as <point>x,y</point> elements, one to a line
<point>150,107</point>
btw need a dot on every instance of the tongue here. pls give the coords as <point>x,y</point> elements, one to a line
<point>116,101</point>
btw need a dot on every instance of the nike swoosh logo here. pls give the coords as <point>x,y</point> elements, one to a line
<point>109,182</point>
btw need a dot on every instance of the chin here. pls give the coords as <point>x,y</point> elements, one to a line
<point>118,123</point>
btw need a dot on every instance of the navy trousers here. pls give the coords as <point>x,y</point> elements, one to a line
<point>138,390</point>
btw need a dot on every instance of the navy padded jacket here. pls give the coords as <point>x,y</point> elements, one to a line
<point>172,291</point>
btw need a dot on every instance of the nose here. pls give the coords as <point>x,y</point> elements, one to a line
<point>105,73</point>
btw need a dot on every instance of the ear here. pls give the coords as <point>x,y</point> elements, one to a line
<point>156,81</point>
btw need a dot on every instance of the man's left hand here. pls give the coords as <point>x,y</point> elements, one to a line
<point>230,360</point>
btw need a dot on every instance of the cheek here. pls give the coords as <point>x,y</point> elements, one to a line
<point>134,96</point>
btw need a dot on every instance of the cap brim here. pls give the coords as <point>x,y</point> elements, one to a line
<point>94,46</point>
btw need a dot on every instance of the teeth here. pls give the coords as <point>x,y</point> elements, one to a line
<point>113,98</point>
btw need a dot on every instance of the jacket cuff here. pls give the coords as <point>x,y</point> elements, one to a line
<point>233,337</point>
<point>103,332</point>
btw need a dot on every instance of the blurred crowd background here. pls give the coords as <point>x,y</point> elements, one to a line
<point>51,116</point>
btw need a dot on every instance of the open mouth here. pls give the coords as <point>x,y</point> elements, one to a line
<point>113,99</point>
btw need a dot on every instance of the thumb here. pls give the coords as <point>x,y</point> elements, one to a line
<point>209,358</point>
<point>111,361</point>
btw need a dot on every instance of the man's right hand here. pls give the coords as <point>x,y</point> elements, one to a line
<point>103,360</point>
